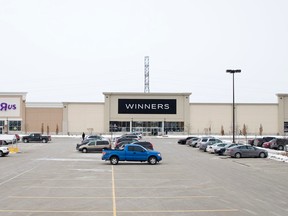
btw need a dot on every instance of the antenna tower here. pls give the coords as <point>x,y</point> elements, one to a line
<point>146,74</point>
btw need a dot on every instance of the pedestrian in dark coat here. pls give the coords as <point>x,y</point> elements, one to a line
<point>83,136</point>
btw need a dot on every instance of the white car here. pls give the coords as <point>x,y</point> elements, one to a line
<point>4,151</point>
<point>213,148</point>
<point>8,139</point>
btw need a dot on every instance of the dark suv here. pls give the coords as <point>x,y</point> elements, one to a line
<point>278,144</point>
<point>145,144</point>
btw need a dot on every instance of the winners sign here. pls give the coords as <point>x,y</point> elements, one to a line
<point>146,106</point>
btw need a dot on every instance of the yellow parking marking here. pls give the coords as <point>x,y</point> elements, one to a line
<point>113,192</point>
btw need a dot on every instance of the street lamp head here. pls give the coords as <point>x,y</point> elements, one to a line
<point>233,71</point>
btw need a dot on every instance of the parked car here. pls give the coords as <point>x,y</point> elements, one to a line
<point>259,141</point>
<point>190,142</point>
<point>145,144</point>
<point>36,137</point>
<point>8,139</point>
<point>133,133</point>
<point>94,146</point>
<point>93,137</point>
<point>131,136</point>
<point>131,152</point>
<point>215,147</point>
<point>99,137</point>
<point>184,140</point>
<point>279,143</point>
<point>123,143</point>
<point>17,137</point>
<point>194,142</point>
<point>223,149</point>
<point>246,151</point>
<point>267,144</point>
<point>208,141</point>
<point>128,139</point>
<point>4,151</point>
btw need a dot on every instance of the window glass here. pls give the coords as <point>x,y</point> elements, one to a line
<point>102,143</point>
<point>14,125</point>
<point>138,149</point>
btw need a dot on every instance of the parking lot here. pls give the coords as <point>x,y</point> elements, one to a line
<point>55,179</point>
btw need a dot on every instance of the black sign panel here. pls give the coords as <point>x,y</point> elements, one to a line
<point>146,106</point>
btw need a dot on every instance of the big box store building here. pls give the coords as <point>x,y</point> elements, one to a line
<point>149,113</point>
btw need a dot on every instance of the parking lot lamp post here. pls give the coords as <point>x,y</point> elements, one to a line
<point>233,106</point>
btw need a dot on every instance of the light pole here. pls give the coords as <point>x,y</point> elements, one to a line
<point>233,126</point>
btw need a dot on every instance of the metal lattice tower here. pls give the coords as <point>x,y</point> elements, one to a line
<point>146,74</point>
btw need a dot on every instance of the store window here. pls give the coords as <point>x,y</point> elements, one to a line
<point>14,125</point>
<point>146,126</point>
<point>174,126</point>
<point>119,126</point>
<point>1,127</point>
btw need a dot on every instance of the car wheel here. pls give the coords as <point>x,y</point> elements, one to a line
<point>44,141</point>
<point>25,140</point>
<point>280,147</point>
<point>152,160</point>
<point>114,160</point>
<point>1,154</point>
<point>238,155</point>
<point>262,155</point>
<point>84,150</point>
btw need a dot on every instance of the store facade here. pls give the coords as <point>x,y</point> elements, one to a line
<point>12,112</point>
<point>148,113</point>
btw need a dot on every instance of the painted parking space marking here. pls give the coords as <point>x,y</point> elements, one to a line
<point>113,192</point>
<point>99,211</point>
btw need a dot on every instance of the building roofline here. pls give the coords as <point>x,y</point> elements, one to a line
<point>44,105</point>
<point>150,93</point>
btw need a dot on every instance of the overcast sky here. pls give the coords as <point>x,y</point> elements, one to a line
<point>74,50</point>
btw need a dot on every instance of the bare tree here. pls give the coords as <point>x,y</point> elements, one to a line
<point>222,130</point>
<point>42,128</point>
<point>244,130</point>
<point>260,129</point>
<point>57,129</point>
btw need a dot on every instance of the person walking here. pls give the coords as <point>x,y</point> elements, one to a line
<point>83,136</point>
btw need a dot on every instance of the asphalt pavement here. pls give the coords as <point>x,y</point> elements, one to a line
<point>55,179</point>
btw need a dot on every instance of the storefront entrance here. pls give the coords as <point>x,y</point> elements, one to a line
<point>147,128</point>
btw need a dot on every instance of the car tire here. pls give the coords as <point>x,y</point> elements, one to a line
<point>114,160</point>
<point>152,160</point>
<point>237,155</point>
<point>262,155</point>
<point>1,154</point>
<point>280,147</point>
<point>84,150</point>
<point>25,141</point>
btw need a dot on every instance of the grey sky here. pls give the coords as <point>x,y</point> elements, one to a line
<point>72,50</point>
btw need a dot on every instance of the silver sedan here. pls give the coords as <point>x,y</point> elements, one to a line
<point>246,151</point>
